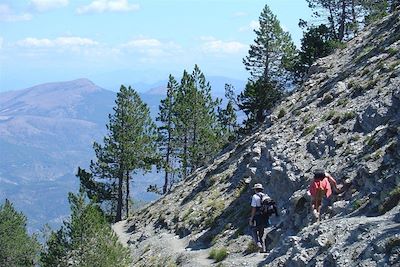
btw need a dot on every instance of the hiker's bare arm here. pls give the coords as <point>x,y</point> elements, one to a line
<point>331,180</point>
<point>253,213</point>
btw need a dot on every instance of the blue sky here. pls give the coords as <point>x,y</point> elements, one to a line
<point>130,41</point>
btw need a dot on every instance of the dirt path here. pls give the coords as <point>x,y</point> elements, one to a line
<point>188,257</point>
<point>120,228</point>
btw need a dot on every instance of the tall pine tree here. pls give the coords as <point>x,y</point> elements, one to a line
<point>190,132</point>
<point>272,52</point>
<point>129,146</point>
<point>167,133</point>
<point>269,60</point>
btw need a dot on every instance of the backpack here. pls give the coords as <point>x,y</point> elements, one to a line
<point>268,206</point>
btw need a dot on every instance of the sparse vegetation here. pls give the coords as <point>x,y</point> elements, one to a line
<point>309,130</point>
<point>251,248</point>
<point>364,53</point>
<point>391,201</point>
<point>306,118</point>
<point>377,155</point>
<point>371,84</point>
<point>392,51</point>
<point>328,98</point>
<point>359,203</point>
<point>348,116</point>
<point>218,254</point>
<point>343,102</point>
<point>329,116</point>
<point>281,113</point>
<point>365,72</point>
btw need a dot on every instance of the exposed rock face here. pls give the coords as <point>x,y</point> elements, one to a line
<point>346,119</point>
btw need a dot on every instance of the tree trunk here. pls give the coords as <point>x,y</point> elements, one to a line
<point>165,187</point>
<point>332,22</point>
<point>118,216</point>
<point>354,15</point>
<point>127,194</point>
<point>184,160</point>
<point>342,23</point>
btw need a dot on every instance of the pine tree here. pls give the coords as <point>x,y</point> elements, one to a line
<point>205,141</point>
<point>17,248</point>
<point>345,17</point>
<point>272,52</point>
<point>193,123</point>
<point>167,132</point>
<point>85,240</point>
<point>129,146</point>
<point>257,98</point>
<point>269,62</point>
<point>183,109</point>
<point>317,42</point>
<point>339,14</point>
<point>375,9</point>
<point>227,117</point>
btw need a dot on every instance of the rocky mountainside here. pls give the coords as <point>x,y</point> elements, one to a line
<point>346,119</point>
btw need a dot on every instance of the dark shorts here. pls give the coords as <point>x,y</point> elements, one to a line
<point>261,221</point>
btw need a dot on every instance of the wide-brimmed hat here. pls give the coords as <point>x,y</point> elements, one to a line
<point>258,186</point>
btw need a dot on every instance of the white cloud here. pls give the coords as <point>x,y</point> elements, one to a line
<point>253,25</point>
<point>240,14</point>
<point>143,43</point>
<point>1,42</point>
<point>100,6</point>
<point>219,46</point>
<point>7,14</point>
<point>43,5</point>
<point>151,50</point>
<point>58,42</point>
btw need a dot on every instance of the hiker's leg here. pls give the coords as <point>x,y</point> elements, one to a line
<point>318,208</point>
<point>261,234</point>
<point>254,234</point>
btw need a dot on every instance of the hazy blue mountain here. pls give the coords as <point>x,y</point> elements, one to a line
<point>46,132</point>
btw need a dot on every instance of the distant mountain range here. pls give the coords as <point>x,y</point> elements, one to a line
<point>46,132</point>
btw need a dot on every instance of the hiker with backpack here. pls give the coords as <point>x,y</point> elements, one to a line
<point>262,207</point>
<point>320,187</point>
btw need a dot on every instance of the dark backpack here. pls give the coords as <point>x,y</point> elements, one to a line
<point>268,206</point>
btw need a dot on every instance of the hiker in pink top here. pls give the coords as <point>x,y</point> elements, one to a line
<point>320,186</point>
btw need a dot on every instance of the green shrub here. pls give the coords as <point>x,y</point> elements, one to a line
<point>329,116</point>
<point>218,254</point>
<point>391,201</point>
<point>365,72</point>
<point>371,84</point>
<point>282,113</point>
<point>306,119</point>
<point>309,129</point>
<point>251,248</point>
<point>328,98</point>
<point>370,140</point>
<point>359,203</point>
<point>392,51</point>
<point>348,116</point>
<point>343,102</point>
